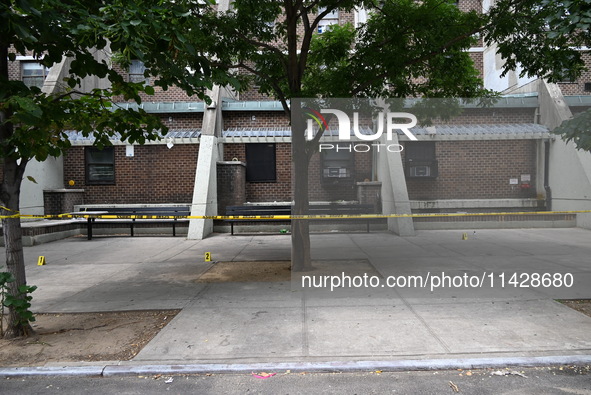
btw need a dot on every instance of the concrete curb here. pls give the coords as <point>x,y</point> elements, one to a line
<point>294,367</point>
<point>78,371</point>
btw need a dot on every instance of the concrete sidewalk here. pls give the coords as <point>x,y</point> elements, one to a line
<point>276,323</point>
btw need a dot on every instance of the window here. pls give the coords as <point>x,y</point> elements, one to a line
<point>33,73</point>
<point>260,162</point>
<point>100,165</point>
<point>136,72</point>
<point>420,160</point>
<point>566,77</point>
<point>332,18</point>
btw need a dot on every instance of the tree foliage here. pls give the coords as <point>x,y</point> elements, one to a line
<point>406,48</point>
<point>548,39</point>
<point>542,37</point>
<point>152,31</point>
<point>33,124</point>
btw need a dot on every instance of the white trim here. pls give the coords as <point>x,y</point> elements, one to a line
<point>117,142</point>
<point>26,58</point>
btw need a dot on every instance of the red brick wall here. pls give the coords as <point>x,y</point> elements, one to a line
<point>578,87</point>
<point>155,174</point>
<point>281,190</point>
<point>266,191</point>
<point>231,188</point>
<point>467,170</point>
<point>478,59</point>
<point>492,116</point>
<point>470,5</point>
<point>253,94</point>
<point>14,69</point>
<point>478,170</point>
<point>173,93</point>
<point>192,120</point>
<point>262,119</point>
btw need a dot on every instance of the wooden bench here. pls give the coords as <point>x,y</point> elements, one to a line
<point>270,210</point>
<point>125,212</point>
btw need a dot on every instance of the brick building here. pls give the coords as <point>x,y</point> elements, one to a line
<point>486,159</point>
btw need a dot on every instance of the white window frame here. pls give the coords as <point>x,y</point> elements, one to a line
<point>37,66</point>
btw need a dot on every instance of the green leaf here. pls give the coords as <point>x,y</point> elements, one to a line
<point>30,178</point>
<point>28,105</point>
<point>149,90</point>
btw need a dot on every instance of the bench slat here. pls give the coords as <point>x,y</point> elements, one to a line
<point>168,211</point>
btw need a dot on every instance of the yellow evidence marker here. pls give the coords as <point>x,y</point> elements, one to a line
<point>41,261</point>
<point>208,257</point>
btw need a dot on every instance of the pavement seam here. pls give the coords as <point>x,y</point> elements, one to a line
<point>425,324</point>
<point>305,339</point>
<point>243,248</point>
<point>189,246</point>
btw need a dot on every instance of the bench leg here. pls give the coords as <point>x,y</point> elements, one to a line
<point>174,228</point>
<point>89,228</point>
<point>132,227</point>
<point>232,228</point>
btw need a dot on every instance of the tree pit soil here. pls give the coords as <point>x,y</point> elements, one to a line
<point>84,337</point>
<point>581,305</point>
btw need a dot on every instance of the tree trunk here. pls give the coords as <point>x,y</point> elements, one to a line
<point>300,228</point>
<point>11,227</point>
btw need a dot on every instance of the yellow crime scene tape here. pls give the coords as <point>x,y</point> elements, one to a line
<point>287,217</point>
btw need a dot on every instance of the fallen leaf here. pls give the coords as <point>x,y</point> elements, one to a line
<point>454,387</point>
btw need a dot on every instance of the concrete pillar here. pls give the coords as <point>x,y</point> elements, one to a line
<point>394,192</point>
<point>569,168</point>
<point>205,190</point>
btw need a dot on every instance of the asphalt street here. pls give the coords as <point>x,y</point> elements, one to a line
<point>542,380</point>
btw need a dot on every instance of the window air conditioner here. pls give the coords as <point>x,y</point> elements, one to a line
<point>420,171</point>
<point>338,172</point>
